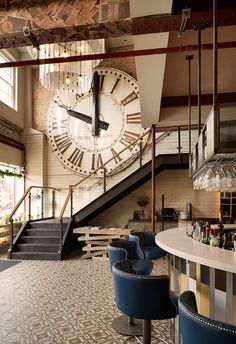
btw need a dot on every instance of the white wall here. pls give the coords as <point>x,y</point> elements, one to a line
<point>177,188</point>
<point>11,155</point>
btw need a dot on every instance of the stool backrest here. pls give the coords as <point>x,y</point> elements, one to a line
<point>145,238</point>
<point>195,328</point>
<point>122,249</point>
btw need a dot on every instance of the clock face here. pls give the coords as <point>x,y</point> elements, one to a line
<point>69,127</point>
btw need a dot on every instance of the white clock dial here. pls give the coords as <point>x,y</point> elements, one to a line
<point>69,126</point>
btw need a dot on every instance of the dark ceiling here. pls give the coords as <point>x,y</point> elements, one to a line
<point>200,5</point>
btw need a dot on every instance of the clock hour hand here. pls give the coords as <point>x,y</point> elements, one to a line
<point>88,119</point>
<point>95,115</point>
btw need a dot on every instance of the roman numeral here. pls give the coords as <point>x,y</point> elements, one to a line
<point>117,158</point>
<point>131,97</point>
<point>102,77</point>
<point>96,161</point>
<point>63,142</point>
<point>61,124</point>
<point>127,138</point>
<point>133,118</point>
<point>76,157</point>
<point>115,85</point>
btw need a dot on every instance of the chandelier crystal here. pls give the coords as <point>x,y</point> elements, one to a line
<point>68,76</point>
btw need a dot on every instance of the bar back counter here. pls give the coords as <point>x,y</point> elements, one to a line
<point>210,272</point>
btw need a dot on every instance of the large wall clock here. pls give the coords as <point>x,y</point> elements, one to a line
<point>86,132</point>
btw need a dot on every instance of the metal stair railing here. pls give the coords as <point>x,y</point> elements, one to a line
<point>138,155</point>
<point>40,196</point>
<point>70,195</point>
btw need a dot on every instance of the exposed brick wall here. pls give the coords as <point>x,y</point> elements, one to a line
<point>126,64</point>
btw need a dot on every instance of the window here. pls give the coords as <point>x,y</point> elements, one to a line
<point>11,189</point>
<point>7,83</point>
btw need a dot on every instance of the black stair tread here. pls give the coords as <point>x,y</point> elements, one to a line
<point>36,255</point>
<point>40,237</point>
<point>39,244</point>
<point>44,229</point>
<point>46,225</point>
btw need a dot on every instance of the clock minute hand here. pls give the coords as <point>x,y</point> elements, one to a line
<point>88,119</point>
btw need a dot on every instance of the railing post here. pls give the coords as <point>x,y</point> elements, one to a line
<point>153,176</point>
<point>141,152</point>
<point>42,203</point>
<point>71,201</point>
<point>199,27</point>
<point>104,179</point>
<point>11,234</point>
<point>179,145</point>
<point>215,77</point>
<point>53,203</point>
<point>189,58</point>
<point>61,235</point>
<point>29,213</point>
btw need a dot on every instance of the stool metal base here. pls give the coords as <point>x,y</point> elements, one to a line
<point>122,326</point>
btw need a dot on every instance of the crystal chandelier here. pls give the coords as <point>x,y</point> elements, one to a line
<point>68,76</point>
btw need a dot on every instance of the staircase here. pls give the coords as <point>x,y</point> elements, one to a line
<point>127,185</point>
<point>41,239</point>
<point>46,239</point>
<point>38,240</point>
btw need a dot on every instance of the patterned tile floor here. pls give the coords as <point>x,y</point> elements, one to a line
<point>62,302</point>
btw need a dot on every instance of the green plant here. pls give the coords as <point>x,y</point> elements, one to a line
<point>10,174</point>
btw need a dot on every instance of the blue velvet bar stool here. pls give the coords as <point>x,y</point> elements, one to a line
<point>142,296</point>
<point>196,328</point>
<point>123,249</point>
<point>146,245</point>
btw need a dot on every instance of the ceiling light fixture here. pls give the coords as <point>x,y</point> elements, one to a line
<point>68,76</point>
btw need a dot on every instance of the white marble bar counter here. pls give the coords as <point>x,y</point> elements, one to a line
<point>210,272</point>
<point>176,242</point>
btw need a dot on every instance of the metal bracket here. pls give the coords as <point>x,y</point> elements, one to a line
<point>186,13</point>
<point>27,33</point>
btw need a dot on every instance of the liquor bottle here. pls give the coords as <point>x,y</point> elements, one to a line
<point>195,230</point>
<point>225,241</point>
<point>213,239</point>
<point>207,239</point>
<point>199,235</point>
<point>219,239</point>
<point>234,240</point>
<point>202,237</point>
<point>231,241</point>
<point>220,228</point>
